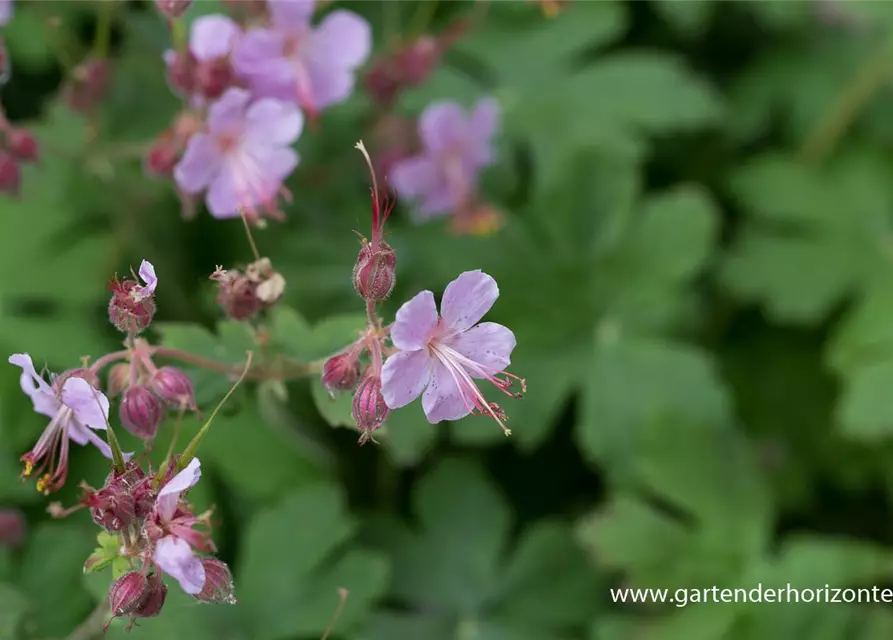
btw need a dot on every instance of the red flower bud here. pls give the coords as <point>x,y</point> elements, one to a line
<point>12,527</point>
<point>119,379</point>
<point>162,157</point>
<point>374,274</point>
<point>341,371</point>
<point>213,77</point>
<point>181,72</point>
<point>369,408</point>
<point>87,85</point>
<point>141,412</point>
<point>128,312</point>
<point>218,583</point>
<point>156,592</point>
<point>174,387</point>
<point>10,175</point>
<point>133,482</point>
<point>80,372</point>
<point>173,8</point>
<point>22,144</point>
<point>236,295</point>
<point>127,593</point>
<point>111,508</point>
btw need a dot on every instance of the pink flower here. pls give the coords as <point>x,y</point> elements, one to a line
<point>204,71</point>
<point>5,11</point>
<point>443,355</point>
<point>147,275</point>
<point>456,147</point>
<point>174,552</point>
<point>75,409</point>
<point>291,60</point>
<point>243,157</point>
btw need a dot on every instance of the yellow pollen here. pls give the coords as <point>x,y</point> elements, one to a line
<point>42,484</point>
<point>29,467</point>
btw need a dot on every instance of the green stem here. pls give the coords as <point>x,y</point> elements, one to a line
<point>871,76</point>
<point>103,37</point>
<point>192,447</point>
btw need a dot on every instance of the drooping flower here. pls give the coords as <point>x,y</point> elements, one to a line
<point>243,157</point>
<point>174,551</point>
<point>204,72</point>
<point>443,355</point>
<point>293,60</point>
<point>76,409</point>
<point>455,148</point>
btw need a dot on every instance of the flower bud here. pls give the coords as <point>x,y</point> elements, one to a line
<point>236,295</point>
<point>111,508</point>
<point>22,144</point>
<point>12,527</point>
<point>119,379</point>
<point>87,86</point>
<point>156,592</point>
<point>173,387</point>
<point>10,175</point>
<point>162,157</point>
<point>79,372</point>
<point>213,77</point>
<point>173,8</point>
<point>127,593</point>
<point>369,408</point>
<point>141,412</point>
<point>129,312</point>
<point>341,371</point>
<point>180,72</point>
<point>374,274</point>
<point>218,583</point>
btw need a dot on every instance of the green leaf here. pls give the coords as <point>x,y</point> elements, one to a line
<point>689,18</point>
<point>407,435</point>
<point>634,381</point>
<point>51,576</point>
<point>815,236</point>
<point>13,609</point>
<point>288,576</point>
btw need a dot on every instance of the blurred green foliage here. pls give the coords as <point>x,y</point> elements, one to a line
<point>695,261</point>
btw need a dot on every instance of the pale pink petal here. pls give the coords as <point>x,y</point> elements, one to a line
<point>291,14</point>
<point>414,322</point>
<point>169,495</point>
<point>273,122</point>
<point>443,127</point>
<point>484,124</point>
<point>228,112</point>
<point>176,558</point>
<point>442,399</point>
<point>259,58</point>
<point>404,376</point>
<point>488,344</point>
<point>342,40</point>
<point>275,164</point>
<point>467,299</point>
<point>436,202</point>
<point>199,164</point>
<point>213,36</point>
<point>222,198</point>
<point>90,406</point>
<point>328,85</point>
<point>147,273</point>
<point>82,435</point>
<point>414,177</point>
<point>42,397</point>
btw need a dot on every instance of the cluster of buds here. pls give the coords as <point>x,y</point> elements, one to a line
<point>17,146</point>
<point>410,65</point>
<point>243,295</point>
<point>161,535</point>
<point>168,148</point>
<point>87,85</point>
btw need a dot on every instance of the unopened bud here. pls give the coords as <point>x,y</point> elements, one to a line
<point>180,71</point>
<point>156,592</point>
<point>218,583</point>
<point>213,77</point>
<point>22,144</point>
<point>130,312</point>
<point>111,508</point>
<point>162,157</point>
<point>369,408</point>
<point>127,593</point>
<point>375,273</point>
<point>341,371</point>
<point>10,175</point>
<point>119,379</point>
<point>174,387</point>
<point>12,527</point>
<point>236,295</point>
<point>141,412</point>
<point>87,86</point>
<point>173,8</point>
